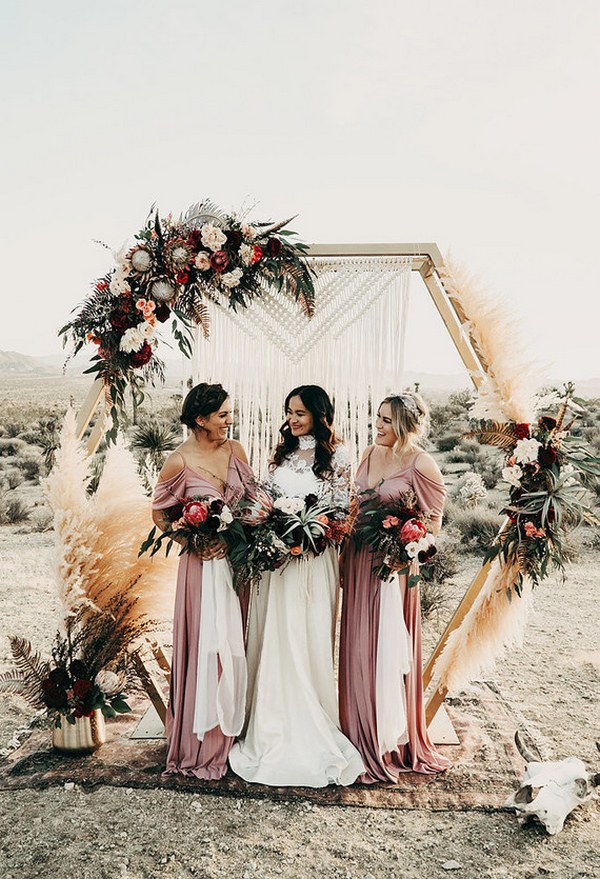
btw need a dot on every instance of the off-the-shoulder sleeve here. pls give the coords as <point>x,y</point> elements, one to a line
<point>169,492</point>
<point>430,494</point>
<point>341,478</point>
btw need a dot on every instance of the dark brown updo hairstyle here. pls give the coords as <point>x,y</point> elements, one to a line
<point>202,400</point>
<point>317,402</point>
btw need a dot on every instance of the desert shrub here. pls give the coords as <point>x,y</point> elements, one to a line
<point>444,565</point>
<point>451,511</point>
<point>45,433</point>
<point>30,464</point>
<point>448,441</point>
<point>13,511</point>
<point>13,478</point>
<point>466,452</point>
<point>12,428</point>
<point>490,469</point>
<point>42,520</point>
<point>153,439</point>
<point>434,598</point>
<point>477,528</point>
<point>469,490</point>
<point>11,446</point>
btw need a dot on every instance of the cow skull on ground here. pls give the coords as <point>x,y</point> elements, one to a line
<point>552,789</point>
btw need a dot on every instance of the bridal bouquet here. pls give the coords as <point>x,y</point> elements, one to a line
<point>199,523</point>
<point>278,529</point>
<point>398,534</point>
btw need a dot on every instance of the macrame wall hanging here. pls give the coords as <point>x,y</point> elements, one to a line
<point>353,347</point>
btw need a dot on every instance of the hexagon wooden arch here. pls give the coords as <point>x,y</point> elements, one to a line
<point>427,260</point>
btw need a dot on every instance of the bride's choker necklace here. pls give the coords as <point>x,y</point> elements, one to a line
<point>307,441</point>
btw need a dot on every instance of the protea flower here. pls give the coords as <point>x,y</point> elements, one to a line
<point>162,290</point>
<point>141,261</point>
<point>258,508</point>
<point>178,254</point>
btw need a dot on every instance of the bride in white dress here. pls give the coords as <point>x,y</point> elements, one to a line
<point>292,735</point>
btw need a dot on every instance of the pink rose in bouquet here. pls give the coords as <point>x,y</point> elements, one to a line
<point>412,530</point>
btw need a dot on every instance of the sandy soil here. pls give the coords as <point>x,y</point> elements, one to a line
<point>553,684</point>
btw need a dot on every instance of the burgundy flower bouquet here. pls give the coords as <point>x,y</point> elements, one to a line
<point>199,523</point>
<point>398,534</point>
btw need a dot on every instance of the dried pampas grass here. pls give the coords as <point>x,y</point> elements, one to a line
<point>507,389</point>
<point>97,538</point>
<point>75,533</point>
<point>495,623</point>
<point>123,516</point>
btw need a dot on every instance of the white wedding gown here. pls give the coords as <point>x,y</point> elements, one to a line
<point>292,735</point>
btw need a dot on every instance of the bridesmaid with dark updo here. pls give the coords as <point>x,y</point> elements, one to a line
<point>208,677</point>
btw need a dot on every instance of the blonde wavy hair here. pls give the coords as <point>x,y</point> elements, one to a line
<point>410,417</point>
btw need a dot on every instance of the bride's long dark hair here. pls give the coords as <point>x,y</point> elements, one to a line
<point>320,407</point>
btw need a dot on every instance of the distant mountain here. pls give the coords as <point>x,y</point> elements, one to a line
<point>433,385</point>
<point>13,363</point>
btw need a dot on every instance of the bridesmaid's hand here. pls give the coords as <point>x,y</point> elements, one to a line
<point>215,550</point>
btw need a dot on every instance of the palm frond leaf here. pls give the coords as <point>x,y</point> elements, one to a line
<point>204,212</point>
<point>495,433</point>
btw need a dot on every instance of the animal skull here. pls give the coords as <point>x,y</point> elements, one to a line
<point>551,790</point>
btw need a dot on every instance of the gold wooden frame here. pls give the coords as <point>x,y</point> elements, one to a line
<point>427,260</point>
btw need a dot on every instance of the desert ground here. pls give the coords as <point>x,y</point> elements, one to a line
<point>551,686</point>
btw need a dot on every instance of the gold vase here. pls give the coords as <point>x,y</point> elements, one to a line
<point>86,734</point>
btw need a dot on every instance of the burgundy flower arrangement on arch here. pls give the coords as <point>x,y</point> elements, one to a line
<point>547,467</point>
<point>169,274</point>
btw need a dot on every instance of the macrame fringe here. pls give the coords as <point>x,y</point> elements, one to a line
<point>353,347</point>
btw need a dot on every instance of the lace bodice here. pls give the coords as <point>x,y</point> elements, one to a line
<point>294,477</point>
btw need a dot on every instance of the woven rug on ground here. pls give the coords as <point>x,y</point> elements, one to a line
<point>485,767</point>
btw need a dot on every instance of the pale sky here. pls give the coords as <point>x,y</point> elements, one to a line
<point>474,125</point>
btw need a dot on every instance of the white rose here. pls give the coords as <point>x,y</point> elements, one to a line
<point>226,515</point>
<point>213,237</point>
<point>289,505</point>
<point>412,549</point>
<point>232,279</point>
<point>248,232</point>
<point>246,253</point>
<point>118,284</point>
<point>122,261</point>
<point>526,451</point>
<point>147,330</point>
<point>425,542</point>
<point>512,475</point>
<point>132,339</point>
<point>202,261</point>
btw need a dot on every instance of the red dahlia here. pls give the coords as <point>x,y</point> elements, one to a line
<point>219,261</point>
<point>522,430</point>
<point>141,357</point>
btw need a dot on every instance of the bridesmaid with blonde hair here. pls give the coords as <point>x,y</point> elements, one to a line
<point>381,688</point>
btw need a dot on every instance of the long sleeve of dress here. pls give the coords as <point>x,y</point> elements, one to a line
<point>341,478</point>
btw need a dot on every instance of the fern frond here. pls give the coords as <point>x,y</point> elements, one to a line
<point>15,682</point>
<point>28,662</point>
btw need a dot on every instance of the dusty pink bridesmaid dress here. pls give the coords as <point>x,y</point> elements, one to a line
<point>187,755</point>
<point>359,648</point>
